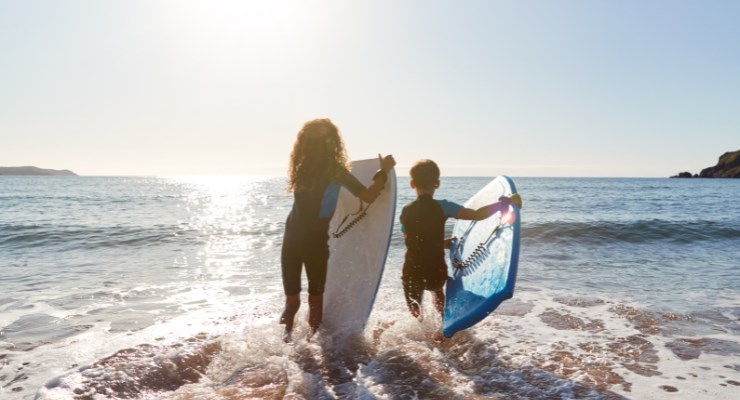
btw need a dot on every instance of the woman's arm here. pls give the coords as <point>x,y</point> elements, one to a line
<point>369,194</point>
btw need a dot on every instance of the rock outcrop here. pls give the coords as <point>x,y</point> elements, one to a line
<point>35,171</point>
<point>685,175</point>
<point>728,166</point>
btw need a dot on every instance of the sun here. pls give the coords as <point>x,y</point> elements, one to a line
<point>255,24</point>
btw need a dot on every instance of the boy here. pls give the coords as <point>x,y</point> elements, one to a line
<point>423,227</point>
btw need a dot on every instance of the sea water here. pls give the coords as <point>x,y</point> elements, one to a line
<point>169,288</point>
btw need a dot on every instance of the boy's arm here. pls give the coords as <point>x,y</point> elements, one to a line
<point>488,210</point>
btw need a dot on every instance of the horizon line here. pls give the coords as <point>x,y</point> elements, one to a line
<point>283,176</point>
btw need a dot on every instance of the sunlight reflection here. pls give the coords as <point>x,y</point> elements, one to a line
<point>226,211</point>
<point>508,218</point>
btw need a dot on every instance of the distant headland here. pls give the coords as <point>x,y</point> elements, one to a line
<point>35,171</point>
<point>728,166</point>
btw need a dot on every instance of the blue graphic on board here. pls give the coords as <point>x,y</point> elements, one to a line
<point>483,260</point>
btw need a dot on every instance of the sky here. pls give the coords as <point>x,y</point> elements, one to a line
<point>628,88</point>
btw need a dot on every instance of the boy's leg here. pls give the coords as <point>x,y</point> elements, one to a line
<point>439,305</point>
<point>439,301</point>
<point>414,293</point>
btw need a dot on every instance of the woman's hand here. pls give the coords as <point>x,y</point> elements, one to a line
<point>387,163</point>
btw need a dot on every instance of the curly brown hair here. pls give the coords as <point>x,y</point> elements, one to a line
<point>318,155</point>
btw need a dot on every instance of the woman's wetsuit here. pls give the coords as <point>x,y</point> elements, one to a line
<point>307,233</point>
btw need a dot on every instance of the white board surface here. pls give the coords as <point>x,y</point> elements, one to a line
<point>357,258</point>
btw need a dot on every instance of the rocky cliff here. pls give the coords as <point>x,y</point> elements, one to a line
<point>728,166</point>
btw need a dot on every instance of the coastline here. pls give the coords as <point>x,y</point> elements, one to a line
<point>34,171</point>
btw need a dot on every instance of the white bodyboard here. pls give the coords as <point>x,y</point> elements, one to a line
<point>357,258</point>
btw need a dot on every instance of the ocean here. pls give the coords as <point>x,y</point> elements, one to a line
<point>169,288</point>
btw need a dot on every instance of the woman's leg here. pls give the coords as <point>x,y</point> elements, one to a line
<point>291,265</point>
<point>292,304</point>
<point>315,311</point>
<point>316,264</point>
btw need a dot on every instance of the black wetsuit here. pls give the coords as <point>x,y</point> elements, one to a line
<point>307,233</point>
<point>424,266</point>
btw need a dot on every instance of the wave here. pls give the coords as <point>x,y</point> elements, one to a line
<point>558,232</point>
<point>644,231</point>
<point>45,235</point>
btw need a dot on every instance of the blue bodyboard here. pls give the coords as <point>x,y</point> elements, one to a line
<point>483,260</point>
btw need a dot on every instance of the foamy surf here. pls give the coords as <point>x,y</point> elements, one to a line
<point>540,345</point>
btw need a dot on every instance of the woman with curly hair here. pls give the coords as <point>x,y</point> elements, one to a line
<point>318,168</point>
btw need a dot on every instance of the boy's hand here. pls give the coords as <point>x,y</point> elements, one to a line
<point>515,199</point>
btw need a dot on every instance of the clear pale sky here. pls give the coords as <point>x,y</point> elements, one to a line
<point>523,88</point>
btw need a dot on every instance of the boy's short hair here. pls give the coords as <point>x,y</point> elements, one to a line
<point>425,174</point>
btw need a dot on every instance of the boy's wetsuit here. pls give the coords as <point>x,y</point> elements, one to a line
<point>307,233</point>
<point>423,225</point>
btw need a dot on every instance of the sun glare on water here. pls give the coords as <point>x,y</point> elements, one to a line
<point>223,209</point>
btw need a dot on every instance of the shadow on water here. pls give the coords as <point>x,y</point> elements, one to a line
<point>465,367</point>
<point>402,376</point>
<point>351,367</point>
<point>411,367</point>
<point>341,358</point>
